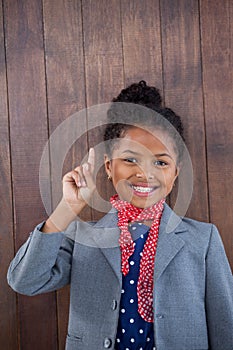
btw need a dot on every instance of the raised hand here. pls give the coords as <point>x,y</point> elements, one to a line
<point>79,185</point>
<point>78,188</point>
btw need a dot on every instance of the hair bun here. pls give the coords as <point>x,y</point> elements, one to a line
<point>141,93</point>
<point>142,83</point>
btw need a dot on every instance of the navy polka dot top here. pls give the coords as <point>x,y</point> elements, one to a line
<point>133,332</point>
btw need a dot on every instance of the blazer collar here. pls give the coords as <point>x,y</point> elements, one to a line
<point>105,234</point>
<point>169,242</point>
<point>170,220</point>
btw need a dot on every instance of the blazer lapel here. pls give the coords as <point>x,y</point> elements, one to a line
<point>113,256</point>
<point>106,236</point>
<point>169,243</point>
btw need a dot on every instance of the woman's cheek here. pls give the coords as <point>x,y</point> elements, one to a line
<point>169,183</point>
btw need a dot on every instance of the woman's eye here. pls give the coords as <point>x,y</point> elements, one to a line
<point>160,163</point>
<point>130,160</point>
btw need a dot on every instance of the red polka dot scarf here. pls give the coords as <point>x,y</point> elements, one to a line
<point>128,213</point>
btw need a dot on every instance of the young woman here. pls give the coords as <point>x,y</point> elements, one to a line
<point>137,282</point>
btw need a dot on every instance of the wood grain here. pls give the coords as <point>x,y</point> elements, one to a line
<point>8,311</point>
<point>66,96</point>
<point>104,67</point>
<point>28,133</point>
<point>142,42</point>
<point>182,76</point>
<point>217,35</point>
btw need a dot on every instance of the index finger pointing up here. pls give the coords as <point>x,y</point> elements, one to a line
<point>91,158</point>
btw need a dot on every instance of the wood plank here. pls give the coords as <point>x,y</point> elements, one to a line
<point>217,34</point>
<point>104,67</point>
<point>8,310</point>
<point>183,88</point>
<point>103,50</point>
<point>66,95</point>
<point>28,131</point>
<point>142,42</point>
<point>65,78</point>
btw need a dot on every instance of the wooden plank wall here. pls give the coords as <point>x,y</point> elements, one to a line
<point>56,58</point>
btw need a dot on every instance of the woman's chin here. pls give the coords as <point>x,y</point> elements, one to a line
<point>144,202</point>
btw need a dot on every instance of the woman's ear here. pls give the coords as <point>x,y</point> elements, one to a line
<point>176,175</point>
<point>108,165</point>
<point>177,171</point>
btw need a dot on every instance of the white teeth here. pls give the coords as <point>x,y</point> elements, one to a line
<point>142,189</point>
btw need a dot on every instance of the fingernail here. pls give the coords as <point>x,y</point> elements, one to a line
<point>84,184</point>
<point>79,184</point>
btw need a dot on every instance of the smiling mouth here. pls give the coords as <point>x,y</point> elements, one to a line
<point>143,190</point>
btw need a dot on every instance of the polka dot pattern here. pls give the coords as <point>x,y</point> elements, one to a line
<point>133,331</point>
<point>129,213</point>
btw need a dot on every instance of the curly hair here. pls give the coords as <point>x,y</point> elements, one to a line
<point>141,105</point>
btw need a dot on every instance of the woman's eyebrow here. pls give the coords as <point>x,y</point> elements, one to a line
<point>139,154</point>
<point>130,151</point>
<point>163,155</point>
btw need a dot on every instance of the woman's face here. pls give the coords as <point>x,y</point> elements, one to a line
<point>143,167</point>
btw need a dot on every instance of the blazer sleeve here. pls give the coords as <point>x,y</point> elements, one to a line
<point>43,263</point>
<point>219,295</point>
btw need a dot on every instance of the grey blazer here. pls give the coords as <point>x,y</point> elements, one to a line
<point>193,286</point>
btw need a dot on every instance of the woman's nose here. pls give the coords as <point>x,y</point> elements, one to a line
<point>145,172</point>
<point>142,175</point>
